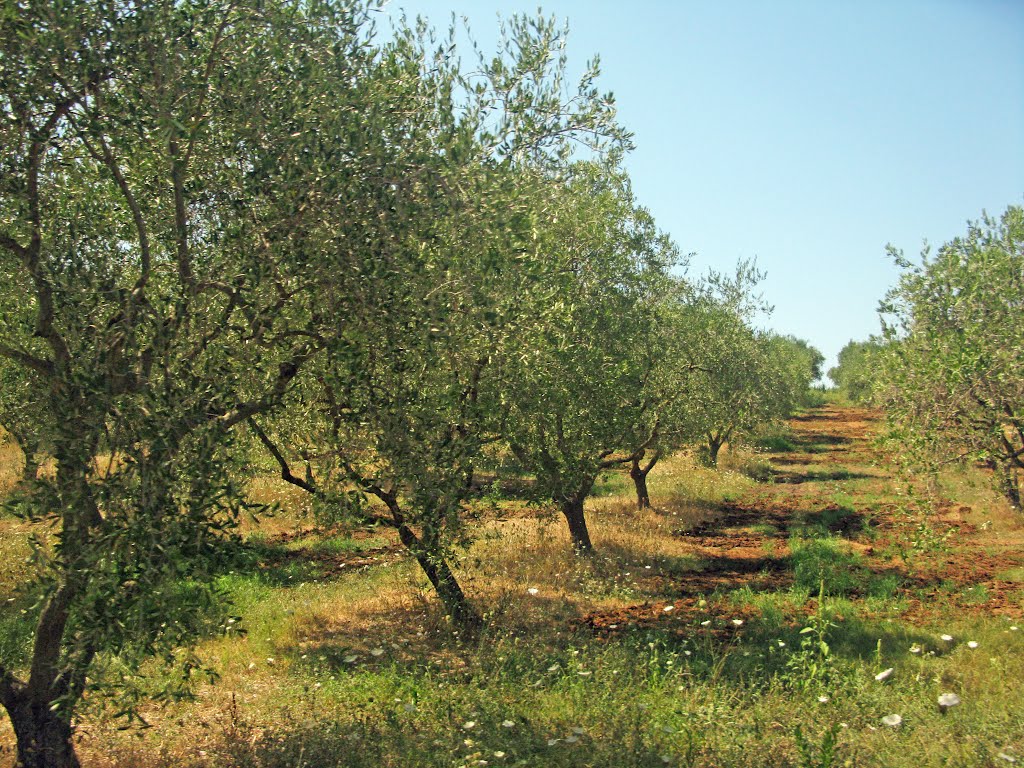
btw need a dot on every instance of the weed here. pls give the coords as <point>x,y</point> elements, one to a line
<point>821,755</point>
<point>812,665</point>
<point>825,563</point>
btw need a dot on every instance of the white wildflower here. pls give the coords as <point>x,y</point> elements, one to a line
<point>533,591</point>
<point>946,638</point>
<point>668,608</point>
<point>893,721</point>
<point>884,675</point>
<point>972,644</point>
<point>469,725</point>
<point>507,724</point>
<point>737,622</point>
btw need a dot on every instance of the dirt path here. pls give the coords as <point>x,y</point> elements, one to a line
<point>835,484</point>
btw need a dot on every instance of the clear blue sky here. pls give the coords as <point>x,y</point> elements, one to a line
<point>806,134</point>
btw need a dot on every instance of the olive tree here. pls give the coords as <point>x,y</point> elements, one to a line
<point>170,172</point>
<point>954,383</point>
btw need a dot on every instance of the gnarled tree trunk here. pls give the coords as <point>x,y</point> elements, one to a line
<point>43,736</point>
<point>639,475</point>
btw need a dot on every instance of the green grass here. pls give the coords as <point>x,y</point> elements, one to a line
<point>360,668</point>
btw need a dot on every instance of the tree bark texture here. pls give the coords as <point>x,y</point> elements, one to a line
<point>43,736</point>
<point>643,498</point>
<point>572,508</point>
<point>714,446</point>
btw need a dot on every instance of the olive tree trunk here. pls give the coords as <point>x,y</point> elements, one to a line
<point>572,509</point>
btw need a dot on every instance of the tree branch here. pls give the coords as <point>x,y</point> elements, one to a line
<point>11,689</point>
<point>287,371</point>
<point>8,242</point>
<point>37,364</point>
<point>47,645</point>
<point>286,472</point>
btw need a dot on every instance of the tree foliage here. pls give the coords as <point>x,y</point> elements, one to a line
<point>857,371</point>
<point>165,184</point>
<point>954,383</point>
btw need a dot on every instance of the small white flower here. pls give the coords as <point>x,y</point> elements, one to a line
<point>533,590</point>
<point>507,724</point>
<point>469,725</point>
<point>948,700</point>
<point>1014,628</point>
<point>499,754</point>
<point>668,608</point>
<point>893,721</point>
<point>946,638</point>
<point>823,699</point>
<point>737,622</point>
<point>687,653</point>
<point>270,660</point>
<point>972,644</point>
<point>647,567</point>
<point>884,675</point>
<point>706,623</point>
<point>781,644</point>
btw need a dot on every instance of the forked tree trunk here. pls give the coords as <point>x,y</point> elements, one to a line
<point>572,508</point>
<point>643,498</point>
<point>714,446</point>
<point>43,736</point>
<point>639,475</point>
